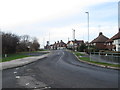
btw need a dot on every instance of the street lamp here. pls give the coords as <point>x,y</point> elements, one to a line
<point>73,39</point>
<point>88,29</point>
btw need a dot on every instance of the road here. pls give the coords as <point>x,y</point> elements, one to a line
<point>61,69</point>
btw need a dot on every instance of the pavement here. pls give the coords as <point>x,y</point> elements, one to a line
<point>60,69</point>
<point>21,61</point>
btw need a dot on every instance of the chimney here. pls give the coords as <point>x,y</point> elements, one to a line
<point>100,33</point>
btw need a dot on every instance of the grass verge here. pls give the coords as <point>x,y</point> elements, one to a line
<point>13,57</point>
<point>94,62</point>
<point>78,54</point>
<point>18,55</point>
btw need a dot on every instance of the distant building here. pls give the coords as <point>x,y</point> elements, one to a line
<point>70,45</point>
<point>74,44</point>
<point>62,45</point>
<point>100,42</point>
<point>47,45</point>
<point>58,45</point>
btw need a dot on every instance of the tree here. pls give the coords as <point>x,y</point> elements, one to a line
<point>9,42</point>
<point>82,47</point>
<point>24,43</point>
<point>35,44</point>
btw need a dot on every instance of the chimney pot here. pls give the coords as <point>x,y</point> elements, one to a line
<point>100,33</point>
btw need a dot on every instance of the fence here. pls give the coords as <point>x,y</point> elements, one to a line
<point>105,57</point>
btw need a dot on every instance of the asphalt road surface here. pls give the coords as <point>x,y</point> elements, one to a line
<point>61,69</point>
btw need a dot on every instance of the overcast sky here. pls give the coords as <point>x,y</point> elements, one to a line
<point>57,18</point>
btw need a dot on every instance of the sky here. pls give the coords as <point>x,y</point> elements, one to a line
<point>53,20</point>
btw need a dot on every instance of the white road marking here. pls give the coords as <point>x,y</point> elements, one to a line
<point>17,68</point>
<point>27,84</point>
<point>17,77</point>
<point>15,72</point>
<point>61,56</point>
<point>49,87</point>
<point>46,87</point>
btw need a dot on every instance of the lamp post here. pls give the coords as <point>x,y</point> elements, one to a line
<point>88,29</point>
<point>73,39</point>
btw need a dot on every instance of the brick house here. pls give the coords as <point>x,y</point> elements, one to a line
<point>58,45</point>
<point>100,42</point>
<point>72,44</point>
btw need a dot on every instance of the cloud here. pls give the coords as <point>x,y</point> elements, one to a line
<point>16,12</point>
<point>40,17</point>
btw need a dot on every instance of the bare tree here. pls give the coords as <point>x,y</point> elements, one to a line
<point>9,42</point>
<point>35,44</point>
<point>24,43</point>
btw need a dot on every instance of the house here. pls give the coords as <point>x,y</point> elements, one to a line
<point>109,44</point>
<point>55,46</point>
<point>62,45</point>
<point>100,42</point>
<point>70,44</point>
<point>58,45</point>
<point>47,45</point>
<point>78,43</point>
<point>114,42</point>
<point>74,44</point>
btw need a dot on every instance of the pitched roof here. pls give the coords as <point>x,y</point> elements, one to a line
<point>100,39</point>
<point>62,43</point>
<point>76,41</point>
<point>68,42</point>
<point>79,41</point>
<point>116,36</point>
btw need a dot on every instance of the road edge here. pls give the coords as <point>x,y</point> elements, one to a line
<point>103,66</point>
<point>21,62</point>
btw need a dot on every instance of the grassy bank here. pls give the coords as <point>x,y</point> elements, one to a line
<point>14,56</point>
<point>17,56</point>
<point>87,59</point>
